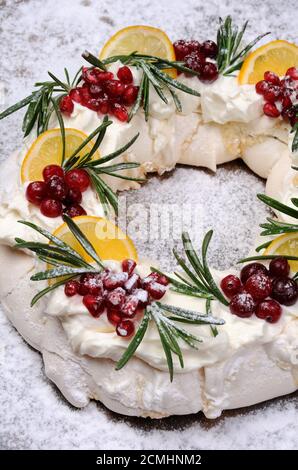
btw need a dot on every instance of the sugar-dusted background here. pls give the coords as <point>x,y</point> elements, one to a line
<point>36,36</point>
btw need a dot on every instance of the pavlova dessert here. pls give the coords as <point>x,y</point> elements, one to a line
<point>110,325</point>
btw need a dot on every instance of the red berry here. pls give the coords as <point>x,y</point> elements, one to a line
<point>74,196</point>
<point>115,298</point>
<point>125,328</point>
<point>128,266</point>
<point>242,305</point>
<point>104,76</point>
<point>77,179</point>
<point>132,282</point>
<point>193,46</point>
<point>93,103</point>
<point>250,269</point>
<point>271,110</point>
<point>120,112</point>
<point>103,105</point>
<point>286,102</point>
<point>230,285</point>
<point>130,95</point>
<point>36,192</point>
<point>95,90</point>
<point>129,308</point>
<point>290,114</point>
<point>181,49</point>
<point>51,208</point>
<point>113,280</point>
<point>285,291</point>
<point>85,94</point>
<point>56,188</point>
<point>261,87</point>
<point>75,210</point>
<point>154,276</point>
<point>94,304</point>
<point>142,296</point>
<point>124,74</point>
<point>272,93</point>
<point>269,310</point>
<point>292,72</point>
<point>75,95</point>
<point>90,284</point>
<point>209,73</point>
<point>114,88</point>
<point>271,77</point>
<point>279,267</point>
<point>114,316</point>
<point>66,105</point>
<point>210,49</point>
<point>156,290</point>
<point>259,286</point>
<point>195,61</point>
<point>52,170</point>
<point>71,288</point>
<point>90,75</point>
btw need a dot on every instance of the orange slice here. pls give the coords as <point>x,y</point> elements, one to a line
<point>47,149</point>
<point>276,56</point>
<point>108,240</point>
<point>285,245</point>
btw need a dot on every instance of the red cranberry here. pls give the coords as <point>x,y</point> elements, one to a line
<point>56,188</point>
<point>124,74</point>
<point>242,305</point>
<point>292,72</point>
<point>156,290</point>
<point>90,284</point>
<point>195,61</point>
<point>279,267</point>
<point>36,192</point>
<point>120,112</point>
<point>94,304</point>
<point>52,170</point>
<point>114,316</point>
<point>75,95</point>
<point>125,328</point>
<point>269,310</point>
<point>71,288</point>
<point>77,179</point>
<point>230,285</point>
<point>74,196</point>
<point>130,95</point>
<point>286,102</point>
<point>250,269</point>
<point>262,87</point>
<point>75,210</point>
<point>271,77</point>
<point>132,282</point>
<point>66,105</point>
<point>259,286</point>
<point>209,73</point>
<point>210,49</point>
<point>181,49</point>
<point>129,308</point>
<point>271,110</point>
<point>113,280</point>
<point>285,291</point>
<point>115,298</point>
<point>193,45</point>
<point>128,266</point>
<point>51,208</point>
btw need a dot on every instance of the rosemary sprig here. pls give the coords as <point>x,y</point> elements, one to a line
<point>66,262</point>
<point>166,318</point>
<point>295,130</point>
<point>40,104</point>
<point>231,54</point>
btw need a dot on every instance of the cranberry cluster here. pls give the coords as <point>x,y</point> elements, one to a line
<point>280,94</point>
<point>196,56</point>
<point>59,192</point>
<point>122,295</point>
<point>249,294</point>
<point>102,93</point>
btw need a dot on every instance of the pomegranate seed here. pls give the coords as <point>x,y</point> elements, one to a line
<point>115,298</point>
<point>142,296</point>
<point>230,285</point>
<point>56,188</point>
<point>51,208</point>
<point>259,286</point>
<point>90,75</point>
<point>242,305</point>
<point>93,104</point>
<point>114,280</point>
<point>261,87</point>
<point>74,196</point>
<point>36,192</point>
<point>279,267</point>
<point>85,94</point>
<point>154,276</point>
<point>272,93</point>
<point>90,284</point>
<point>71,288</point>
<point>104,76</point>
<point>130,95</point>
<point>292,72</point>
<point>271,110</point>
<point>77,179</point>
<point>94,304</point>
<point>125,328</point>
<point>210,49</point>
<point>114,316</point>
<point>129,308</point>
<point>66,105</point>
<point>286,102</point>
<point>128,266</point>
<point>120,112</point>
<point>75,95</point>
<point>114,88</point>
<point>285,291</point>
<point>250,269</point>
<point>75,210</point>
<point>269,310</point>
<point>95,90</point>
<point>156,290</point>
<point>52,170</point>
<point>103,105</point>
<point>271,77</point>
<point>124,74</point>
<point>290,115</point>
<point>209,73</point>
<point>132,282</point>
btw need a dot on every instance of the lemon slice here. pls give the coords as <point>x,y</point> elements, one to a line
<point>285,245</point>
<point>108,240</point>
<point>47,150</point>
<point>276,56</point>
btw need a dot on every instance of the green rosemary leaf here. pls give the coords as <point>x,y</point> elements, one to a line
<point>176,100</point>
<point>161,94</point>
<point>60,271</point>
<point>139,99</point>
<point>194,259</point>
<point>295,277</point>
<point>263,246</point>
<point>50,288</point>
<point>59,82</point>
<point>146,94</point>
<point>94,60</point>
<point>117,167</point>
<point>278,205</point>
<point>189,273</point>
<point>294,143</point>
<point>77,78</point>
<point>167,352</point>
<point>62,128</point>
<point>30,116</point>
<point>67,76</point>
<point>213,328</point>
<point>102,187</point>
<point>150,75</point>
<point>96,182</point>
<point>266,257</point>
<point>175,83</point>
<point>54,252</point>
<point>19,105</point>
<point>82,239</point>
<point>115,154</point>
<point>135,342</point>
<point>294,201</point>
<point>128,178</point>
<point>191,292</point>
<point>190,314</point>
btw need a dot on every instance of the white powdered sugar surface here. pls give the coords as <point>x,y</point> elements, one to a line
<point>37,36</point>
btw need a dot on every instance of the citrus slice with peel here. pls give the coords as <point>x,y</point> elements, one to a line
<point>47,150</point>
<point>285,245</point>
<point>142,39</point>
<point>276,56</point>
<point>108,240</point>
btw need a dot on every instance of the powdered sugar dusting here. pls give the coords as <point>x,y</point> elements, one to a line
<point>33,414</point>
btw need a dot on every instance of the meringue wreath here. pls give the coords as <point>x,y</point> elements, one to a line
<point>115,328</point>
